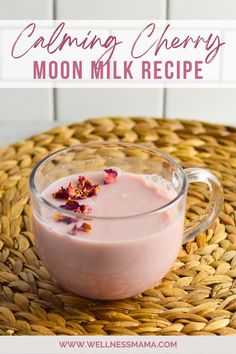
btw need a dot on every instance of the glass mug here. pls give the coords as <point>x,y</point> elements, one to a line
<point>114,268</point>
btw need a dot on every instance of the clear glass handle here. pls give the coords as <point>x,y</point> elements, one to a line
<point>216,199</point>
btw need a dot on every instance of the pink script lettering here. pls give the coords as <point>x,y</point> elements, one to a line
<point>146,41</point>
<point>59,39</point>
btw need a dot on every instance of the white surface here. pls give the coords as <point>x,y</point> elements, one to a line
<point>228,70</point>
<point>76,104</point>
<point>110,9</point>
<point>11,132</point>
<point>126,345</point>
<point>212,105</point>
<point>202,9</point>
<point>26,105</point>
<point>83,103</point>
<point>24,112</point>
<point>22,9</point>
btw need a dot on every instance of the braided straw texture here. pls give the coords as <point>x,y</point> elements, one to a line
<point>197,296</point>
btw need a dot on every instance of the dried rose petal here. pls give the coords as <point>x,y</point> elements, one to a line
<point>83,228</point>
<point>110,176</point>
<point>66,219</point>
<point>71,191</point>
<point>70,205</point>
<point>93,191</point>
<point>86,188</point>
<point>85,209</point>
<point>73,230</point>
<point>84,182</point>
<point>62,193</point>
<point>73,205</point>
<point>74,192</point>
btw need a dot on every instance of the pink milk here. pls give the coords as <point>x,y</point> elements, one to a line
<point>130,247</point>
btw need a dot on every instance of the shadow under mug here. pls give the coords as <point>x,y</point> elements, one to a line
<point>112,268</point>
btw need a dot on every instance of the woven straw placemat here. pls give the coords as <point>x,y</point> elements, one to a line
<point>197,296</point>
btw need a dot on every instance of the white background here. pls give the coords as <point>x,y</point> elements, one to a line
<point>185,345</point>
<point>27,111</point>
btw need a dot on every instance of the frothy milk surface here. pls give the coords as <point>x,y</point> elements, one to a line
<point>129,195</point>
<point>119,257</point>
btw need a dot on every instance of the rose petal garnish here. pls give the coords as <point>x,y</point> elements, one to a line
<point>71,191</point>
<point>110,176</point>
<point>84,182</point>
<point>66,219</point>
<point>70,205</point>
<point>73,205</point>
<point>62,193</point>
<point>86,188</point>
<point>74,192</point>
<point>82,228</point>
<point>85,209</point>
<point>93,191</point>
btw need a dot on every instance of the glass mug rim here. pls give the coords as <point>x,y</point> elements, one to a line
<point>50,205</point>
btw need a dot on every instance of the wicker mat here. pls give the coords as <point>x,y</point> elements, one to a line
<point>197,296</point>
